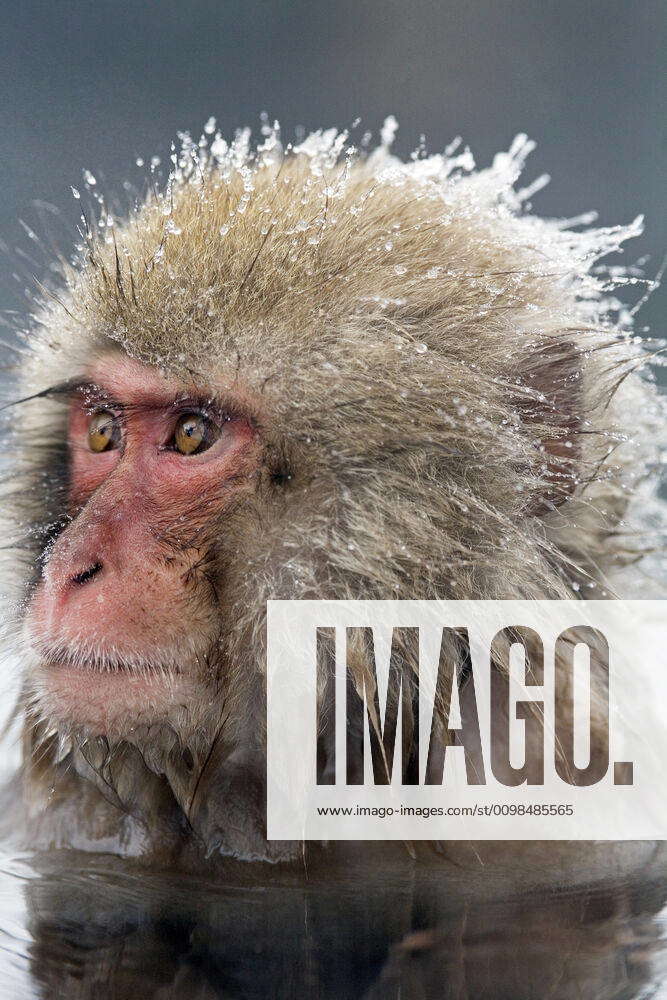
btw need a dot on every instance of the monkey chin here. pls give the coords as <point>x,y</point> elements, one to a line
<point>109,697</point>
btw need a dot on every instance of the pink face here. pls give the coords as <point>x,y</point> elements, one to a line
<point>153,468</point>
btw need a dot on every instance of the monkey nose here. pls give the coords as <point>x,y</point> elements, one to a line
<point>79,579</point>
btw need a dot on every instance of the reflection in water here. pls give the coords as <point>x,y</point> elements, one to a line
<point>96,928</point>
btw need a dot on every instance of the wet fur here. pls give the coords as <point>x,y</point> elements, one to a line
<point>443,390</point>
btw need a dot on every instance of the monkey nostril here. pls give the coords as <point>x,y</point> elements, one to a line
<point>87,574</point>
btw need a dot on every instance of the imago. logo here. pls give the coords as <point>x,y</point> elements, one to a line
<point>466,720</point>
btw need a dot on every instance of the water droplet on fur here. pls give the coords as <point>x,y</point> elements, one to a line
<point>388,131</point>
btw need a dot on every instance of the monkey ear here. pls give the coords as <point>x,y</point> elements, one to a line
<point>554,403</point>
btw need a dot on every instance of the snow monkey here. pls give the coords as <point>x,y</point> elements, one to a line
<point>294,371</point>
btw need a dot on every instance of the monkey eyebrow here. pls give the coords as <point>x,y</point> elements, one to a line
<point>95,395</point>
<point>92,393</point>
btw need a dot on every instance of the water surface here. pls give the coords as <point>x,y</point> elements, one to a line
<point>75,926</point>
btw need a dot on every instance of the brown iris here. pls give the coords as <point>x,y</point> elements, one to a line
<point>103,431</point>
<point>193,433</point>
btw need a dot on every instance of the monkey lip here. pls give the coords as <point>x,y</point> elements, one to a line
<point>95,666</point>
<point>81,681</point>
<point>82,663</point>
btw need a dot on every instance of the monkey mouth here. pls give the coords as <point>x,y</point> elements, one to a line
<point>85,662</point>
<point>105,693</point>
<point>98,665</point>
<point>89,665</point>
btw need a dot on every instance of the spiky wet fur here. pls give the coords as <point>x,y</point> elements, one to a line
<point>450,400</point>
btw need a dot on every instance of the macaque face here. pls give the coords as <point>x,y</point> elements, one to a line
<point>125,619</point>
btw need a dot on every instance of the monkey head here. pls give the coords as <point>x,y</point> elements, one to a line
<point>305,372</point>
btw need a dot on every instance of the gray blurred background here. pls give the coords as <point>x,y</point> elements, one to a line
<point>96,84</point>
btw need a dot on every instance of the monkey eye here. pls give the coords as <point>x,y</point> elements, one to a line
<point>193,434</point>
<point>103,431</point>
